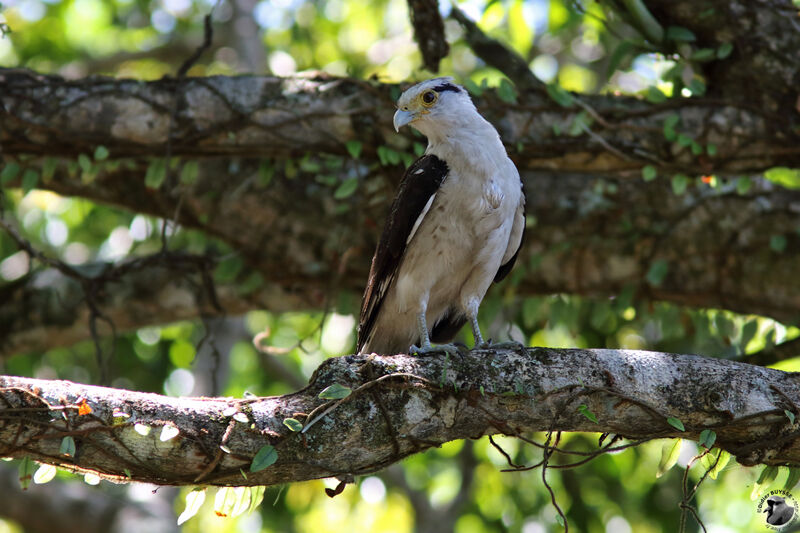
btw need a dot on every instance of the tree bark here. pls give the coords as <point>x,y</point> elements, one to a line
<point>401,405</point>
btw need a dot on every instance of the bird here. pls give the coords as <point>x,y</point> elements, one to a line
<point>778,511</point>
<point>455,225</point>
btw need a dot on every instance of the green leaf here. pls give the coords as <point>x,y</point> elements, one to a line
<point>679,184</point>
<point>655,96</point>
<point>785,177</point>
<point>669,126</point>
<point>697,86</point>
<point>353,148</point>
<point>506,92</point>
<point>241,501</point>
<point>560,95</point>
<point>622,51</point>
<point>256,497</point>
<point>84,162</point>
<point>789,415</point>
<point>743,185</point>
<point>49,168</point>
<point>681,34</point>
<point>44,474</point>
<point>156,174</point>
<point>472,87</point>
<point>696,148</point>
<point>194,500</point>
<point>67,446</point>
<point>792,478</point>
<point>711,149</point>
<point>724,457</point>
<point>101,153</point>
<point>29,180</point>
<point>335,392</point>
<point>657,272</point>
<point>228,269</point>
<point>584,410</point>
<point>293,424</point>
<point>26,472</point>
<point>724,50</point>
<point>649,173</point>
<point>684,140</point>
<point>168,432</point>
<point>707,438</point>
<point>669,456</point>
<point>9,172</point>
<point>346,188</point>
<point>265,457</point>
<point>778,243</point>
<point>703,54</point>
<point>677,424</point>
<point>190,172</point>
<point>766,478</point>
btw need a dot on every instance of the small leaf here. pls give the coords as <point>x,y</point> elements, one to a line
<point>44,474</point>
<point>335,392</point>
<point>141,429</point>
<point>584,410</point>
<point>168,432</point>
<point>786,177</point>
<point>29,180</point>
<point>256,497</point>
<point>156,174</point>
<point>241,417</point>
<point>789,415</point>
<point>265,457</point>
<point>346,188</point>
<point>230,411</point>
<point>26,472</point>
<point>224,501</point>
<point>669,456</point>
<point>91,479</point>
<point>724,50</point>
<point>190,172</point>
<point>266,171</point>
<point>778,243</point>
<point>766,478</point>
<point>67,446</point>
<point>49,168</point>
<point>506,92</point>
<point>724,457</point>
<point>657,272</point>
<point>684,140</point>
<point>100,153</point>
<point>560,95</point>
<point>194,500</point>
<point>84,162</point>
<point>293,424</point>
<point>703,54</point>
<point>9,172</point>
<point>679,183</point>
<point>707,438</point>
<point>677,424</point>
<point>792,478</point>
<point>353,148</point>
<point>743,185</point>
<point>678,33</point>
<point>241,502</point>
<point>711,149</point>
<point>649,173</point>
<point>84,408</point>
<point>655,96</point>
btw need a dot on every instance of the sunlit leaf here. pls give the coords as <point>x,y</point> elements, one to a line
<point>293,424</point>
<point>765,479</point>
<point>792,478</point>
<point>585,411</point>
<point>353,148</point>
<point>241,417</point>
<point>669,456</point>
<point>142,429</point>
<point>785,177</point>
<point>168,432</point>
<point>224,501</point>
<point>265,457</point>
<point>91,479</point>
<point>789,415</point>
<point>44,474</point>
<point>242,501</point>
<point>724,457</point>
<point>335,392</point>
<point>346,188</point>
<point>194,500</point>
<point>256,497</point>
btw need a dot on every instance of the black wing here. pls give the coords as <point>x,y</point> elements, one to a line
<point>421,181</point>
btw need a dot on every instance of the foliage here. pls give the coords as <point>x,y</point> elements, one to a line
<point>572,47</point>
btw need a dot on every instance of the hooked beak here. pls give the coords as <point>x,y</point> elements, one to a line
<point>401,118</point>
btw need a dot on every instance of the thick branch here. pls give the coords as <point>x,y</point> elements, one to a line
<point>423,402</point>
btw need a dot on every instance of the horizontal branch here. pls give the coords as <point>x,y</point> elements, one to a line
<point>399,406</point>
<point>261,116</point>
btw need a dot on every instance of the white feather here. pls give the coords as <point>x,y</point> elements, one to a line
<point>421,216</point>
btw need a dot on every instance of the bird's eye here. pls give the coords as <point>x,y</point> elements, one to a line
<point>428,98</point>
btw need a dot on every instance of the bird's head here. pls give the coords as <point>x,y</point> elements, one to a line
<point>434,105</point>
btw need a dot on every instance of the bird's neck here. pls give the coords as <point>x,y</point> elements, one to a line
<point>474,145</point>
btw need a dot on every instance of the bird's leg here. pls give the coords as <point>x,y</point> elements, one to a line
<point>425,340</point>
<point>480,343</point>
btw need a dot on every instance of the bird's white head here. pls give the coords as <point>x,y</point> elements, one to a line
<point>435,106</point>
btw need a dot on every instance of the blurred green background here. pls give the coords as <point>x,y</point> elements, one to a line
<point>458,487</point>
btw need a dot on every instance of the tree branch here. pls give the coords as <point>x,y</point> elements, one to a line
<point>429,400</point>
<point>428,32</point>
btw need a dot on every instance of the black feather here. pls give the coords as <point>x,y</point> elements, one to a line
<point>414,192</point>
